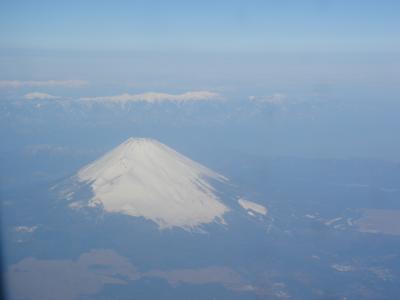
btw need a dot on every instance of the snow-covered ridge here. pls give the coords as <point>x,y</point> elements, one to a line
<point>152,97</point>
<point>252,207</point>
<point>143,177</point>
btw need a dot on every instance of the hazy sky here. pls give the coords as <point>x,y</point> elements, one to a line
<point>201,44</point>
<point>223,26</point>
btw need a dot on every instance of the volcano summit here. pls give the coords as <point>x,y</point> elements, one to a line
<point>145,178</point>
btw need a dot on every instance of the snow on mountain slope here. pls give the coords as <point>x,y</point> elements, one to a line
<point>252,207</point>
<point>143,177</point>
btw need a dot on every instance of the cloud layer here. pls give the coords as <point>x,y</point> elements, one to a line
<point>47,83</point>
<point>152,97</point>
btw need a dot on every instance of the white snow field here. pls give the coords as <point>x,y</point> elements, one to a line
<point>252,207</point>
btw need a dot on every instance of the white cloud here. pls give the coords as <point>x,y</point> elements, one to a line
<point>39,96</point>
<point>152,97</point>
<point>276,99</point>
<point>46,83</point>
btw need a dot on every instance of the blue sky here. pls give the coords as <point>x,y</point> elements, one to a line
<point>216,26</point>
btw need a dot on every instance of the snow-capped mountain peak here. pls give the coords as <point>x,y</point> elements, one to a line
<point>145,178</point>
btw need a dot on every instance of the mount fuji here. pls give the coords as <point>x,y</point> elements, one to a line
<point>145,178</point>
